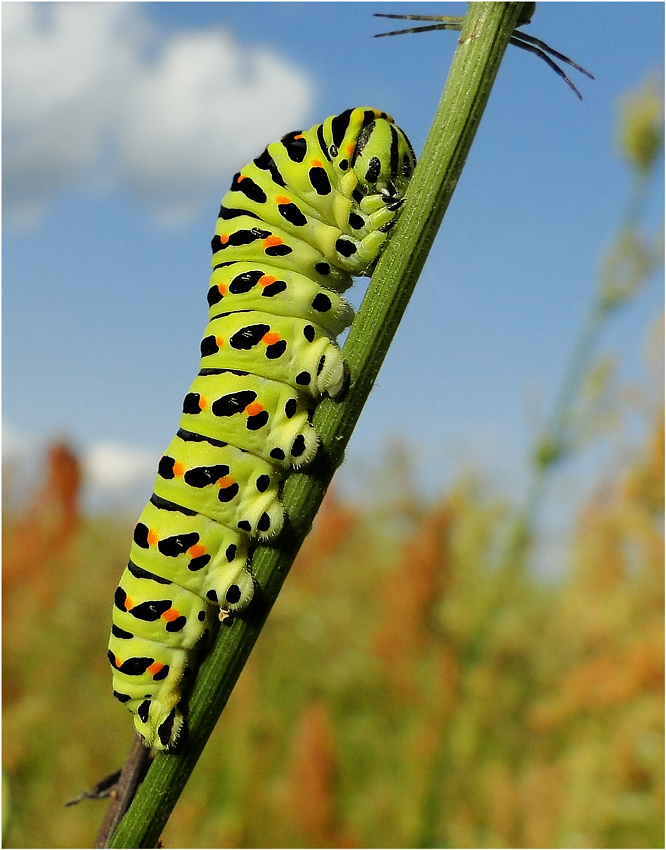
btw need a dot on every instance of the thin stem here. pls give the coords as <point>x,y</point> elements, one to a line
<point>123,792</point>
<point>557,440</point>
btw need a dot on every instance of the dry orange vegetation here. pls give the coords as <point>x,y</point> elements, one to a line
<point>410,689</point>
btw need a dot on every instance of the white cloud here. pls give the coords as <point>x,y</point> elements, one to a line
<point>207,103</point>
<point>94,95</point>
<point>16,446</point>
<point>64,69</point>
<point>116,467</point>
<point>113,472</point>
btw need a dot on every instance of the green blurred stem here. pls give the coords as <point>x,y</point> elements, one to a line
<point>485,36</point>
<point>556,443</point>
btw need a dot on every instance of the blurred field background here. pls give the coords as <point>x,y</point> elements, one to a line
<point>419,683</point>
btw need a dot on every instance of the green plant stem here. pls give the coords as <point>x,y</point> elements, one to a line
<point>557,438</point>
<point>485,36</point>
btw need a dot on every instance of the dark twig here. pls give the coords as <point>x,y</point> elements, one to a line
<point>131,776</point>
<point>104,788</point>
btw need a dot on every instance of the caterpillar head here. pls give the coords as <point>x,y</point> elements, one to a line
<point>384,159</point>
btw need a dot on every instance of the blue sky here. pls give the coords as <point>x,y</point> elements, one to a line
<point>123,125</point>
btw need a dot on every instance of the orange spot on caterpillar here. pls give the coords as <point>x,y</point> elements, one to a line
<point>282,199</point>
<point>153,537</point>
<point>224,238</point>
<point>203,402</point>
<point>219,341</point>
<point>196,551</point>
<point>266,280</point>
<point>129,603</point>
<point>118,661</point>
<point>155,668</point>
<point>253,408</point>
<point>350,149</point>
<point>271,337</point>
<point>299,136</point>
<point>171,615</point>
<point>241,177</point>
<point>222,288</point>
<point>225,481</point>
<point>316,163</point>
<point>271,241</point>
<point>178,469</point>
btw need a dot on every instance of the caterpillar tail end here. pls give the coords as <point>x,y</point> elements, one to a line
<point>161,727</point>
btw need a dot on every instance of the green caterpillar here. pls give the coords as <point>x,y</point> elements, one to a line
<point>303,217</point>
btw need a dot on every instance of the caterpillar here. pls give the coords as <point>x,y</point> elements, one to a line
<point>309,212</point>
<point>519,39</point>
